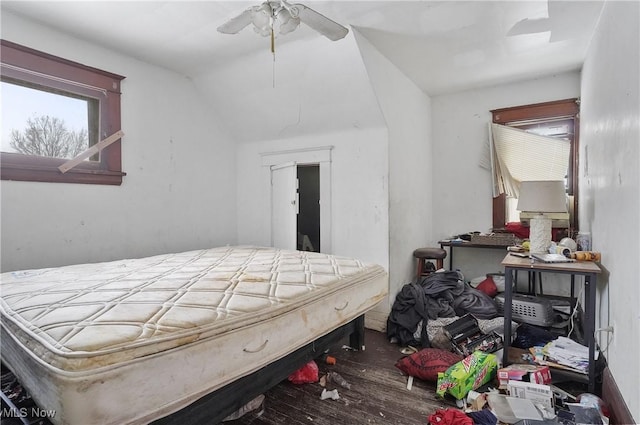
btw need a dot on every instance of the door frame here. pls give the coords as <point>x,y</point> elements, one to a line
<point>320,155</point>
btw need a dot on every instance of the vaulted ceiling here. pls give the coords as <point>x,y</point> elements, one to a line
<point>442,46</point>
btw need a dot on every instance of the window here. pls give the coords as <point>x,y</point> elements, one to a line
<point>52,110</point>
<point>558,119</point>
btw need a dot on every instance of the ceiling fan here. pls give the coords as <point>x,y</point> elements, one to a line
<point>286,16</point>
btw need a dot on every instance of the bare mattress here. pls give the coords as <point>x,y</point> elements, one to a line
<point>127,342</point>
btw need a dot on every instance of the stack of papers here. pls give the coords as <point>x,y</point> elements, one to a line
<point>564,352</point>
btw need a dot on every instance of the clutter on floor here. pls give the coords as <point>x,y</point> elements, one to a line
<point>470,373</point>
<point>466,337</point>
<point>252,406</point>
<point>438,295</point>
<point>306,374</point>
<point>321,402</point>
<point>443,317</point>
<point>516,394</point>
<point>427,363</point>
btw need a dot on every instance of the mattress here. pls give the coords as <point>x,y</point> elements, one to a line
<point>127,342</point>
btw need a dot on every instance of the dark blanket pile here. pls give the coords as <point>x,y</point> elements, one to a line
<point>442,294</point>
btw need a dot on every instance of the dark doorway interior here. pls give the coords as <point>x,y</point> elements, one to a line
<point>309,212</point>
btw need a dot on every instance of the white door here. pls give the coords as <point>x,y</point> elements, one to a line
<point>284,205</point>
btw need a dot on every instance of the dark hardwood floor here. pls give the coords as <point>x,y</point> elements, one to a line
<point>378,393</point>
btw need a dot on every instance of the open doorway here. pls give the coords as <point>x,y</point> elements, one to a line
<point>308,226</point>
<point>300,201</point>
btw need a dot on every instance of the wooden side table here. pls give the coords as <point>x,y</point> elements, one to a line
<point>589,270</point>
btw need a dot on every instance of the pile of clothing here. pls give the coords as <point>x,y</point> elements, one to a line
<point>440,294</point>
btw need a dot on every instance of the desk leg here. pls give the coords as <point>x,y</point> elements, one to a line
<point>508,290</point>
<point>590,323</point>
<point>450,255</point>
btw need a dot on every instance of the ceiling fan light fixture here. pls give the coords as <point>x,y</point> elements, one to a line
<point>262,19</point>
<point>289,16</point>
<point>288,23</point>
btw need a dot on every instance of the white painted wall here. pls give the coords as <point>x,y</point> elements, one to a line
<point>359,196</point>
<point>179,192</point>
<point>334,95</point>
<point>407,112</point>
<point>610,184</point>
<point>359,220</point>
<point>462,199</point>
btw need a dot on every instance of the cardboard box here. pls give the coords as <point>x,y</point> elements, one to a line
<point>524,372</point>
<point>537,393</point>
<point>468,374</point>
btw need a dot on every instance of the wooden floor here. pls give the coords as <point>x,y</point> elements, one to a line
<point>378,393</point>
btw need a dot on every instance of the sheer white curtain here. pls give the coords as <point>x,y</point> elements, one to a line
<point>517,155</point>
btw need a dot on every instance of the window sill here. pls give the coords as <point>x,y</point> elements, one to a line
<point>89,173</point>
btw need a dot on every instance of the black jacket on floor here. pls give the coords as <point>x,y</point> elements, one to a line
<point>441,294</point>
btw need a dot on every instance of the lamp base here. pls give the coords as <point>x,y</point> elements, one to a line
<point>539,234</point>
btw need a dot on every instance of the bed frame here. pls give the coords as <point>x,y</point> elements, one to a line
<point>216,406</point>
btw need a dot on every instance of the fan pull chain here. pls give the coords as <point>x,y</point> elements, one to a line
<point>273,51</point>
<point>274,72</point>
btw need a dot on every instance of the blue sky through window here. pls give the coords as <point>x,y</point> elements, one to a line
<point>18,103</point>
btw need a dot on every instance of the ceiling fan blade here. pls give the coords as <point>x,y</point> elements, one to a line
<point>234,25</point>
<point>325,26</point>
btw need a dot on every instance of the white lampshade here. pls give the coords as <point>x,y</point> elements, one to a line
<point>542,196</point>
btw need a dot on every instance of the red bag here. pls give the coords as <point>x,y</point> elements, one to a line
<point>488,286</point>
<point>306,374</point>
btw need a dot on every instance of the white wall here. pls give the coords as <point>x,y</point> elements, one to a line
<point>179,192</point>
<point>359,219</point>
<point>407,112</point>
<point>335,94</point>
<point>610,184</point>
<point>462,199</point>
<point>359,196</point>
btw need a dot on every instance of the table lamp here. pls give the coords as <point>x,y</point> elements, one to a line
<point>541,197</point>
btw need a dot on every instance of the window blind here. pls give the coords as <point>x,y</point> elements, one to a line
<point>517,155</point>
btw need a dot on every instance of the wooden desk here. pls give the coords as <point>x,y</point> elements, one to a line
<point>466,244</point>
<point>587,269</point>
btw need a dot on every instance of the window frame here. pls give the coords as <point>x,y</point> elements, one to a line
<point>535,113</point>
<point>23,64</point>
